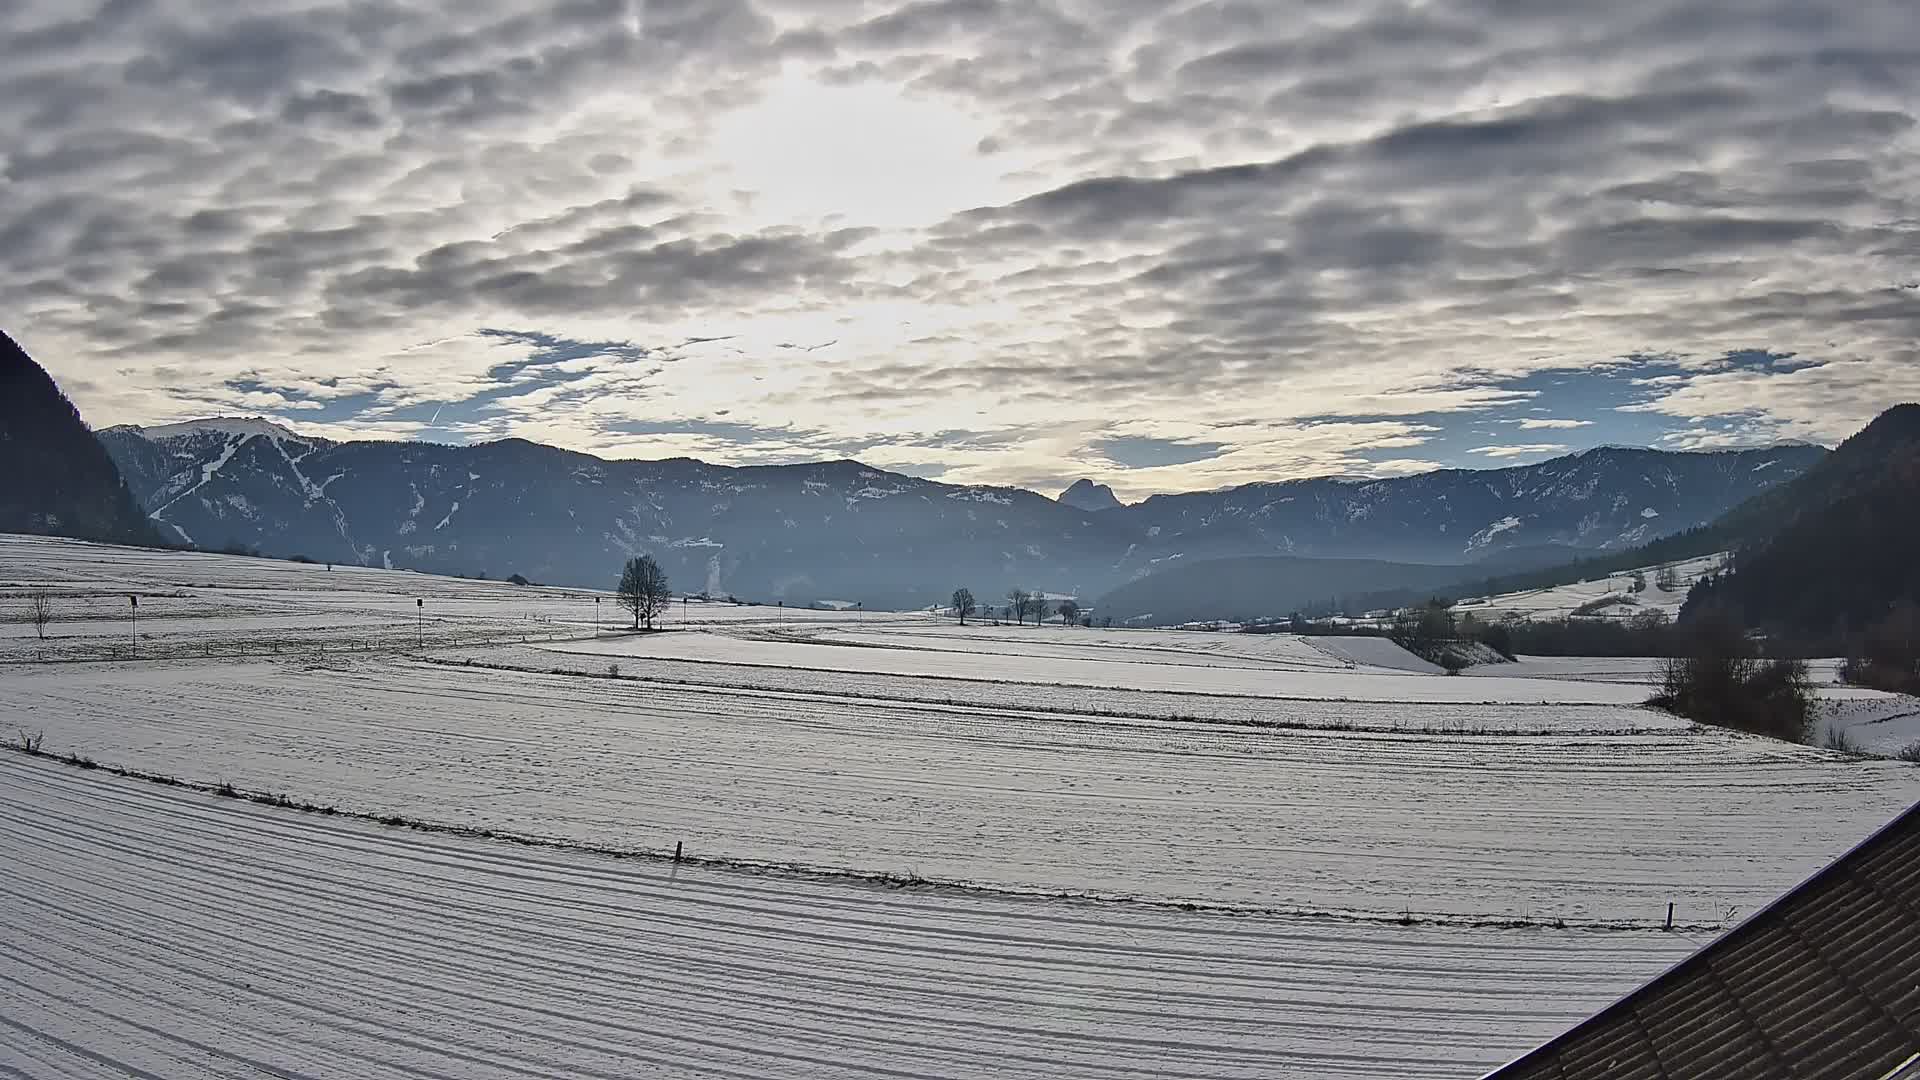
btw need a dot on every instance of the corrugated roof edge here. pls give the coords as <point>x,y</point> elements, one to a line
<point>1906,1070</point>
<point>1739,931</point>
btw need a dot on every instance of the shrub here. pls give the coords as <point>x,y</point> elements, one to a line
<point>1600,604</point>
<point>1763,697</point>
<point>1910,752</point>
<point>1498,637</point>
<point>1838,739</point>
<point>613,671</point>
<point>1722,683</point>
<point>29,740</point>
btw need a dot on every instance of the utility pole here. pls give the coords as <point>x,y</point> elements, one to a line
<point>133,602</point>
<point>420,625</point>
<point>596,616</point>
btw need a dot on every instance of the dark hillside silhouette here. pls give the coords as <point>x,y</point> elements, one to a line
<point>1841,552</point>
<point>55,477</point>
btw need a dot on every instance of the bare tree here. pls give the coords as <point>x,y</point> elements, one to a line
<point>1069,611</point>
<point>1667,580</point>
<point>643,590</point>
<point>963,604</point>
<point>1038,603</point>
<point>40,610</point>
<point>1019,601</point>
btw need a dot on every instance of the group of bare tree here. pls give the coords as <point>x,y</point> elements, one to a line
<point>1020,604</point>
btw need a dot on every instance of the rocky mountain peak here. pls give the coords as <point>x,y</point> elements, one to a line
<point>1087,495</point>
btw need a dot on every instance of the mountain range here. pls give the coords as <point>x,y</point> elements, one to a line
<point>841,530</point>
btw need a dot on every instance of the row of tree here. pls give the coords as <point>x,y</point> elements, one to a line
<point>1020,604</point>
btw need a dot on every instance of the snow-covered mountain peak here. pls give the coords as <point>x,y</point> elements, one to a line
<point>219,425</point>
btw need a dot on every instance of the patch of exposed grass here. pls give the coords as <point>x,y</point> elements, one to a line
<point>1839,740</point>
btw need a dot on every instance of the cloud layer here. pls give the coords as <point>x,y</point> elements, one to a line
<point>1166,245</point>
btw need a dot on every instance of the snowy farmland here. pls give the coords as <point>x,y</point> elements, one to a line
<point>912,849</point>
<point>158,932</point>
<point>1563,601</point>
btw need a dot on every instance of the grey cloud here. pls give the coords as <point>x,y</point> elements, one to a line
<point>331,107</point>
<point>594,276</point>
<point>249,59</point>
<point>1399,32</point>
<point>925,22</point>
<point>207,224</point>
<point>1223,201</point>
<point>1141,452</point>
<point>95,153</point>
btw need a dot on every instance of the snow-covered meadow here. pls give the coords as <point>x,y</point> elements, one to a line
<point>163,933</point>
<point>195,604</point>
<point>1562,601</point>
<point>914,849</point>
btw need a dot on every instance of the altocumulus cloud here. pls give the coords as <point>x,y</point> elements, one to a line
<point>995,241</point>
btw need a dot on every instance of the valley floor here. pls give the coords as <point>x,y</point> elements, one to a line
<point>153,931</point>
<point>914,850</point>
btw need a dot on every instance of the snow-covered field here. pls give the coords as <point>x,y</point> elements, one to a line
<point>193,604</point>
<point>1368,822</point>
<point>158,932</point>
<point>1318,675</point>
<point>1873,721</point>
<point>1561,601</point>
<point>1136,852</point>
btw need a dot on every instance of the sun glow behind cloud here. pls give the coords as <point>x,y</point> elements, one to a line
<point>976,240</point>
<point>861,155</point>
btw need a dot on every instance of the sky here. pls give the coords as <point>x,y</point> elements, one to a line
<point>1165,245</point>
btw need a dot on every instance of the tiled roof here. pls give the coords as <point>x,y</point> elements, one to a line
<point>1824,983</point>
